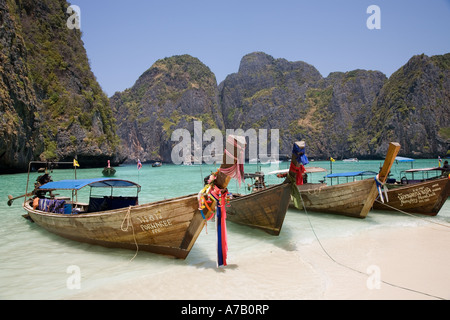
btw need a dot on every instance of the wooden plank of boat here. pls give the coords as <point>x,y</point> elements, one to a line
<point>353,199</point>
<point>264,209</point>
<point>426,197</point>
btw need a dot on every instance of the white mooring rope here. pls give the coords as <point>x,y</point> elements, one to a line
<point>358,271</point>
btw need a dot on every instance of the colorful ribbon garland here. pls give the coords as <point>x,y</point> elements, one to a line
<point>299,173</point>
<point>221,197</point>
<point>211,192</point>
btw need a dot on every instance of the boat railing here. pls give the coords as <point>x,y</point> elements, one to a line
<point>350,176</point>
<point>422,175</point>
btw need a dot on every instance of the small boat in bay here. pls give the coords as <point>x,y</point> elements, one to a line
<point>351,160</point>
<point>108,171</point>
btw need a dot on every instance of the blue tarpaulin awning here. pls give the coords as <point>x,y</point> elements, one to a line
<point>352,174</point>
<point>96,183</point>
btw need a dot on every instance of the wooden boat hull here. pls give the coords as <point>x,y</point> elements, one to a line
<point>354,199</point>
<point>347,199</point>
<point>265,209</point>
<point>423,198</point>
<point>109,172</point>
<point>168,227</point>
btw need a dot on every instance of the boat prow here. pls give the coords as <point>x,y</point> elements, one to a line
<point>264,209</point>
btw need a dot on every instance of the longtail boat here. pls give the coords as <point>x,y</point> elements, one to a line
<point>168,227</point>
<point>353,199</point>
<point>265,208</point>
<point>108,171</point>
<point>423,196</point>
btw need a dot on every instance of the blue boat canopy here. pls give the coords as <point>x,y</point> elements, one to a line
<point>352,174</point>
<point>95,183</point>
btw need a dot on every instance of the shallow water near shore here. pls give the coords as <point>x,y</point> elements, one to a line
<point>36,264</point>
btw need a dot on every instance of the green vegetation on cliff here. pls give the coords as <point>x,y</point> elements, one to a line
<point>71,109</point>
<point>413,107</point>
<point>52,107</point>
<point>173,93</point>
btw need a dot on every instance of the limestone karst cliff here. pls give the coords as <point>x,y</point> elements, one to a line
<point>52,106</point>
<point>346,114</point>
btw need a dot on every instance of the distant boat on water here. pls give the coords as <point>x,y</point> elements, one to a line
<point>351,160</point>
<point>109,171</point>
<point>157,164</point>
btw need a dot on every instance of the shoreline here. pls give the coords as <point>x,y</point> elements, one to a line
<point>398,263</point>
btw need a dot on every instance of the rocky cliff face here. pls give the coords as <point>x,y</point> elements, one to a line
<point>53,108</point>
<point>294,98</point>
<point>18,103</point>
<point>351,114</point>
<point>171,95</point>
<point>413,108</point>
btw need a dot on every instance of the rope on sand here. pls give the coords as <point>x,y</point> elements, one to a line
<point>127,219</point>
<point>411,215</point>
<point>358,271</point>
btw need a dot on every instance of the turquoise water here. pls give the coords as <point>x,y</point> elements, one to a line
<point>35,264</point>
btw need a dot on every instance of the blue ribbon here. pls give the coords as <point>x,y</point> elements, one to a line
<point>379,185</point>
<point>300,155</point>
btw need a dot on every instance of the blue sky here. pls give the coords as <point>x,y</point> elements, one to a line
<point>124,38</point>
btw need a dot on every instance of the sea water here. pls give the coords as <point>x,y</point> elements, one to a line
<point>36,264</point>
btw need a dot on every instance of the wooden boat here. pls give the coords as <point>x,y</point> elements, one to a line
<point>353,199</point>
<point>422,196</point>
<point>108,171</point>
<point>168,227</point>
<point>264,208</point>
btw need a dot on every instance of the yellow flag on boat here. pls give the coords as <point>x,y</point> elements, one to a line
<point>332,160</point>
<point>75,163</point>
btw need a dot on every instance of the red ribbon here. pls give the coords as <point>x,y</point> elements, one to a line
<point>299,171</point>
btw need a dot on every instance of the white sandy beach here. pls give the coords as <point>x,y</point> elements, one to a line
<point>411,262</point>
